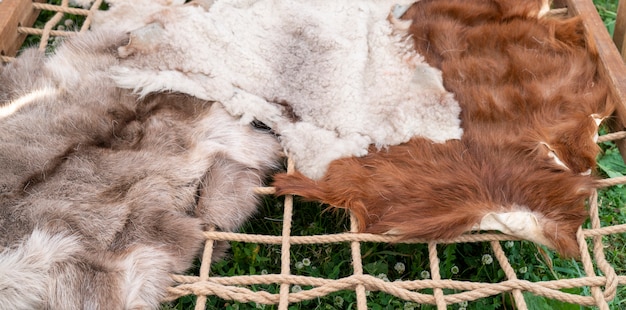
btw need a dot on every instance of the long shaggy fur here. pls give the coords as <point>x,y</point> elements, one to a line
<point>319,73</point>
<point>103,194</point>
<point>530,96</point>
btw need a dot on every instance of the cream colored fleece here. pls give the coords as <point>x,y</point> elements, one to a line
<point>330,77</point>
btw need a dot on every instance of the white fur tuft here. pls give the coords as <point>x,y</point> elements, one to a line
<point>24,269</point>
<point>146,277</point>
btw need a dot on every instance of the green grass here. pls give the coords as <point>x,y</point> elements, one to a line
<point>607,10</point>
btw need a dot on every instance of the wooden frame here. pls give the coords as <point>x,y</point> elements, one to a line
<point>611,62</point>
<point>15,14</point>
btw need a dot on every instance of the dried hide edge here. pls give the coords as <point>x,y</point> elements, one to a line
<point>530,98</point>
<point>320,74</point>
<point>103,194</point>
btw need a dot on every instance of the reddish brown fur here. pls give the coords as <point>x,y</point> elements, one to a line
<point>513,73</point>
<point>527,87</point>
<point>436,191</point>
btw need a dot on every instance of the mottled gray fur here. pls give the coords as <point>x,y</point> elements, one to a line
<point>102,195</point>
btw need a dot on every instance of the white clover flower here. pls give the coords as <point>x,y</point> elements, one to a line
<point>463,304</point>
<point>509,244</point>
<point>299,265</point>
<point>306,262</point>
<point>383,277</point>
<point>425,274</point>
<point>368,293</point>
<point>296,288</point>
<point>61,27</point>
<point>338,301</point>
<point>399,267</point>
<point>487,259</point>
<point>454,269</point>
<point>523,269</point>
<point>409,305</point>
<point>462,308</point>
<point>264,272</point>
<point>68,23</point>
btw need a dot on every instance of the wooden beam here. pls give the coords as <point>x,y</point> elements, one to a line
<point>14,14</point>
<point>611,64</point>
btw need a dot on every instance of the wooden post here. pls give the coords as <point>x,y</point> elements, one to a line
<point>620,27</point>
<point>611,64</point>
<point>15,14</point>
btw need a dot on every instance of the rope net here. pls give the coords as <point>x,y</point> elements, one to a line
<point>599,277</point>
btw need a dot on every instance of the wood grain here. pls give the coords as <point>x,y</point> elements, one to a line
<point>611,64</point>
<point>14,14</point>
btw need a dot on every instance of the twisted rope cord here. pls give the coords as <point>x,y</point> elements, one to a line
<point>94,7</point>
<point>364,237</point>
<point>45,35</point>
<point>63,8</point>
<point>6,58</point>
<point>509,272</point>
<point>40,32</point>
<point>607,269</point>
<point>408,284</point>
<point>286,244</point>
<point>357,265</point>
<point>204,269</point>
<point>433,259</point>
<point>618,135</point>
<point>588,267</point>
<point>403,289</point>
<point>610,182</point>
<point>608,230</point>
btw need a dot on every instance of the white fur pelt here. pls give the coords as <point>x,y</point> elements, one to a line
<point>103,194</point>
<point>330,77</point>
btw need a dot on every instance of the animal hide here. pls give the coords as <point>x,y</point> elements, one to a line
<point>531,101</point>
<point>518,78</point>
<point>103,194</point>
<point>329,77</point>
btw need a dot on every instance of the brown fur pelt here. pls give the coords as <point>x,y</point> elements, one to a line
<point>102,195</point>
<point>517,77</point>
<point>531,101</point>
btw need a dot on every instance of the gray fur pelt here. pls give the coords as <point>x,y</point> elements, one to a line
<point>102,194</point>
